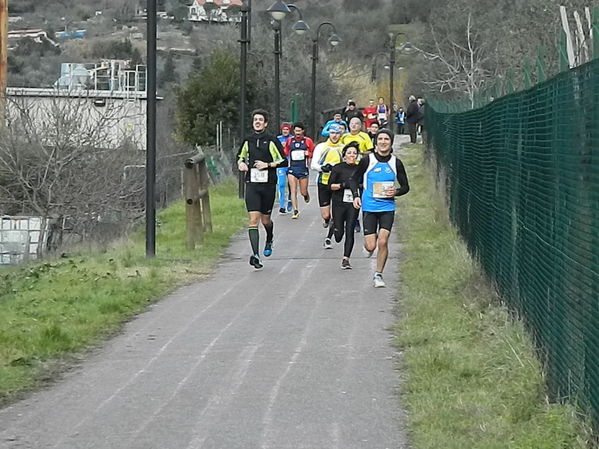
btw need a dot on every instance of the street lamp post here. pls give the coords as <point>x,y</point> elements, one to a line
<point>151,132</point>
<point>334,40</point>
<point>277,52</point>
<point>244,41</point>
<point>392,46</point>
<point>279,11</point>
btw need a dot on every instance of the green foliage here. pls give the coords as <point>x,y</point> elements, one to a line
<point>207,98</point>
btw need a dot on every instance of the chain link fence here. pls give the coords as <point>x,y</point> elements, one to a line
<point>521,177</point>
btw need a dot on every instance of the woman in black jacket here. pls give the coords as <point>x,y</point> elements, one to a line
<point>343,211</point>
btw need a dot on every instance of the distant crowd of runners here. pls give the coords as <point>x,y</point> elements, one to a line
<point>356,170</point>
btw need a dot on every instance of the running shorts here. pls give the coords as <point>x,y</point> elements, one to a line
<point>260,197</point>
<point>298,172</point>
<point>373,221</point>
<point>324,195</point>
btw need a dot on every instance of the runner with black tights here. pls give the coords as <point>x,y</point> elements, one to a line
<point>343,210</point>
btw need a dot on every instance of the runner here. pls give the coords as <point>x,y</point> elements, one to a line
<point>283,187</point>
<point>344,212</point>
<point>379,171</point>
<point>364,144</point>
<point>299,149</point>
<point>326,155</point>
<point>259,157</point>
<point>357,135</point>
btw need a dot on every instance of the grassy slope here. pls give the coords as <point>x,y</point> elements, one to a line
<point>472,380</point>
<point>59,307</point>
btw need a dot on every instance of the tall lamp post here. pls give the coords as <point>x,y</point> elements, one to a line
<point>333,40</point>
<point>151,132</point>
<point>279,10</point>
<point>392,45</point>
<point>244,41</point>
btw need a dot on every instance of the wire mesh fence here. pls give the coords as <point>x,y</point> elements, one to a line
<point>521,176</point>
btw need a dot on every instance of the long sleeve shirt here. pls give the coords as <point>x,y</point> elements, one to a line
<point>262,147</point>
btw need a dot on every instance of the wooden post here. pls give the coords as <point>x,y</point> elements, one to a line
<point>204,197</point>
<point>197,200</point>
<point>595,32</point>
<point>541,65</point>
<point>193,232</point>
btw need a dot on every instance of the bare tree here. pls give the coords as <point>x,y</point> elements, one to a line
<point>462,66</point>
<point>60,160</point>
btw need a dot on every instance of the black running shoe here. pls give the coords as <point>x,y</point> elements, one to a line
<point>345,265</point>
<point>282,210</point>
<point>255,262</point>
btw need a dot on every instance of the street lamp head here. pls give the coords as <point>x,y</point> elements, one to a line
<point>300,27</point>
<point>407,47</point>
<point>335,40</point>
<point>278,10</point>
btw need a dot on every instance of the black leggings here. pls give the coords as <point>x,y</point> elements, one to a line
<point>344,221</point>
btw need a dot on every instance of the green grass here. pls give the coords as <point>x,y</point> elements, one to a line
<point>54,309</point>
<point>472,378</point>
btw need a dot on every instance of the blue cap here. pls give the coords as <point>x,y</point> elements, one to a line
<point>334,128</point>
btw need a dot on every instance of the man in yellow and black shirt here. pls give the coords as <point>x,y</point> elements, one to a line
<point>325,156</point>
<point>357,135</point>
<point>259,157</point>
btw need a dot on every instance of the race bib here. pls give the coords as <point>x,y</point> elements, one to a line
<point>378,189</point>
<point>258,175</point>
<point>348,197</point>
<point>298,155</point>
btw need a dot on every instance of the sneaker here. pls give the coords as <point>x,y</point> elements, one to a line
<point>357,227</point>
<point>295,214</point>
<point>268,249</point>
<point>325,223</point>
<point>327,243</point>
<point>345,265</point>
<point>307,197</point>
<point>255,262</point>
<point>289,206</point>
<point>282,210</point>
<point>378,281</point>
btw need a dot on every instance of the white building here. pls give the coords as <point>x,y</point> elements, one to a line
<point>214,11</point>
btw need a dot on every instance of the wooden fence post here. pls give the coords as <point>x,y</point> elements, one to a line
<point>197,200</point>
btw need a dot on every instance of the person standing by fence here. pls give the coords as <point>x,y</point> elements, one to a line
<point>259,157</point>
<point>412,118</point>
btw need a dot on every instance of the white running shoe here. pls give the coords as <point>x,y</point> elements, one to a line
<point>378,281</point>
<point>328,244</point>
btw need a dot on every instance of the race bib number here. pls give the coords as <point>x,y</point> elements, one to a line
<point>378,189</point>
<point>298,155</point>
<point>348,197</point>
<point>258,175</point>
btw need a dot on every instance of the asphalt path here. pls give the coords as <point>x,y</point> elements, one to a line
<point>296,355</point>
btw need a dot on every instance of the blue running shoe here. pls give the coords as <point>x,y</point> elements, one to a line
<point>289,206</point>
<point>268,249</point>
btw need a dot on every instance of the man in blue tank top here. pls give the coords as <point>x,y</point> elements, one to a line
<point>378,173</point>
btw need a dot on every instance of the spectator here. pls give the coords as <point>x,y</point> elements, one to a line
<point>412,118</point>
<point>352,112</point>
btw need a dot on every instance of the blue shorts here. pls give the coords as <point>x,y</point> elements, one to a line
<point>299,172</point>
